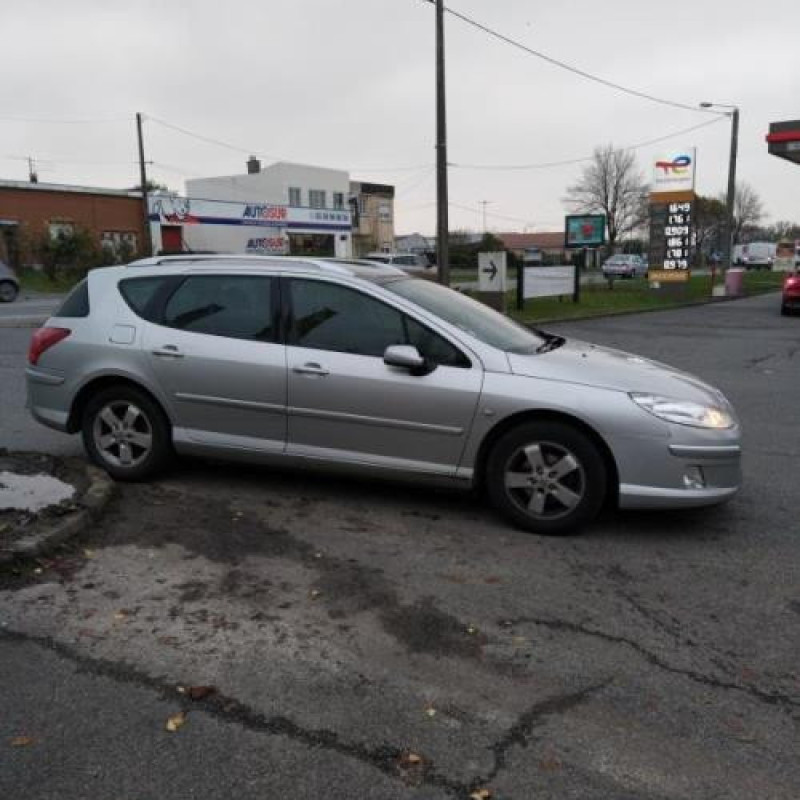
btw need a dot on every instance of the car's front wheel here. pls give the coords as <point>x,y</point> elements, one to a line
<point>8,291</point>
<point>126,433</point>
<point>547,477</point>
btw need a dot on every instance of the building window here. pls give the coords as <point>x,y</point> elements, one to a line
<point>363,205</point>
<point>316,198</point>
<point>385,212</point>
<point>338,200</point>
<point>295,200</point>
<point>61,230</point>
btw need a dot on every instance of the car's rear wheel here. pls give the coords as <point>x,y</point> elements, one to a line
<point>126,433</point>
<point>547,477</point>
<point>8,292</point>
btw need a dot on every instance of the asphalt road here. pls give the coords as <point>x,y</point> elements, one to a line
<point>379,641</point>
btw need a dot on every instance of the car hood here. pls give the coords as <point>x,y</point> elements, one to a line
<point>588,364</point>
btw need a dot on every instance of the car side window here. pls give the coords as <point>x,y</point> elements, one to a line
<point>326,316</point>
<point>235,306</point>
<point>433,347</point>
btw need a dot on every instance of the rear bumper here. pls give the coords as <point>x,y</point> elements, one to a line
<point>46,398</point>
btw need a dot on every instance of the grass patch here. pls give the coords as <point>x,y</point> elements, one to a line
<point>632,295</point>
<point>34,280</point>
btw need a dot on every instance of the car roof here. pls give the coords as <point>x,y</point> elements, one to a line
<point>356,268</point>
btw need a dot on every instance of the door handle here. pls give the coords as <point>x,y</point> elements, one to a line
<point>311,368</point>
<point>167,351</point>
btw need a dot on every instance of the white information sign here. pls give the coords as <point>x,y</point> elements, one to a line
<point>492,272</point>
<point>548,281</point>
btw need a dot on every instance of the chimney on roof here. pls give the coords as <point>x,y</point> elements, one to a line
<point>253,165</point>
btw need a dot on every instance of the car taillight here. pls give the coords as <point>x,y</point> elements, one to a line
<point>792,283</point>
<point>43,340</point>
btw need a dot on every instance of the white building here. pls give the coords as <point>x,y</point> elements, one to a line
<point>283,208</point>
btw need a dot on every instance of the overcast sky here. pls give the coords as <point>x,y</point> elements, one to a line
<point>350,84</point>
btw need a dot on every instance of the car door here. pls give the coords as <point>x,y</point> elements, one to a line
<point>345,404</point>
<point>216,353</point>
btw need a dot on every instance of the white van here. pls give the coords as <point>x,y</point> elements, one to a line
<point>755,255</point>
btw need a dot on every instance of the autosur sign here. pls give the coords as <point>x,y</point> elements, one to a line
<point>674,171</point>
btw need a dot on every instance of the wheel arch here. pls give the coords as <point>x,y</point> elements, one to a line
<point>539,415</point>
<point>105,381</point>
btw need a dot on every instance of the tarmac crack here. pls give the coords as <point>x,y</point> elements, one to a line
<point>774,698</point>
<point>386,758</point>
<point>519,735</point>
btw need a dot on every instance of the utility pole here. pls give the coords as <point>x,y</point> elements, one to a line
<point>33,175</point>
<point>727,245</point>
<point>731,200</point>
<point>148,239</point>
<point>442,202</point>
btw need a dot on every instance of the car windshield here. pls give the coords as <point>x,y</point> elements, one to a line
<point>469,315</point>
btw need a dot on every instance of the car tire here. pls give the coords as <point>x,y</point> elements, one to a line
<point>785,310</point>
<point>546,477</point>
<point>8,291</point>
<point>126,433</point>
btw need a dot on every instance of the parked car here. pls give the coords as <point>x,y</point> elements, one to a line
<point>624,266</point>
<point>409,262</point>
<point>9,284</point>
<point>367,369</point>
<point>790,300</point>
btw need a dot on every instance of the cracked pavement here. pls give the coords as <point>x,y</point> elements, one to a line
<point>348,625</point>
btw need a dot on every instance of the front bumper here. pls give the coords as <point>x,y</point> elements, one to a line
<point>691,476</point>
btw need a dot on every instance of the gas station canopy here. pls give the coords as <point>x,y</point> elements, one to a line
<point>783,140</point>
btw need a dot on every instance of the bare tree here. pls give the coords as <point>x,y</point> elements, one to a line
<point>748,210</point>
<point>611,184</point>
<point>709,224</point>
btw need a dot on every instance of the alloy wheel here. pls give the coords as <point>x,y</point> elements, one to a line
<point>545,480</point>
<point>122,434</point>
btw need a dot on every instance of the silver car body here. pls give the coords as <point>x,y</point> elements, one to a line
<point>276,403</point>
<point>625,266</point>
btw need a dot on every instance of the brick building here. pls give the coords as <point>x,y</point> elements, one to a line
<point>29,211</point>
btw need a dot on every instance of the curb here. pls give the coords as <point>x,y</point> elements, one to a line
<point>628,311</point>
<point>96,497</point>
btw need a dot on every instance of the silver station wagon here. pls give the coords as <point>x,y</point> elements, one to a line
<point>362,367</point>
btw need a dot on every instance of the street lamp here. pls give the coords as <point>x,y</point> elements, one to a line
<point>733,113</point>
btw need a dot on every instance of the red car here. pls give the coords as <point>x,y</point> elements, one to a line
<point>791,293</point>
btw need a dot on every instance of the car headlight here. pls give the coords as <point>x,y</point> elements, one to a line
<point>684,412</point>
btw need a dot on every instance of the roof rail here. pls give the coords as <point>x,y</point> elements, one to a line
<point>243,258</point>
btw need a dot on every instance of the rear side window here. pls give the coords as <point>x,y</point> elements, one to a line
<point>140,294</point>
<point>77,302</point>
<point>236,306</point>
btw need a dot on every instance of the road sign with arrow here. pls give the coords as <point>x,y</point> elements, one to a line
<point>492,272</point>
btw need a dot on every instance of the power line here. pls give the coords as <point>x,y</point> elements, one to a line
<point>256,152</point>
<point>61,121</point>
<point>570,68</point>
<point>584,159</point>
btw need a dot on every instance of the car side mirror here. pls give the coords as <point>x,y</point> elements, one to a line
<point>407,356</point>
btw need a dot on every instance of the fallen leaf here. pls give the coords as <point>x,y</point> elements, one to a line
<point>200,692</point>
<point>410,760</point>
<point>480,794</point>
<point>22,741</point>
<point>317,555</point>
<point>430,711</point>
<point>472,630</point>
<point>314,594</point>
<point>176,721</point>
<point>120,615</point>
<point>88,553</point>
<point>37,571</point>
<point>519,640</point>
